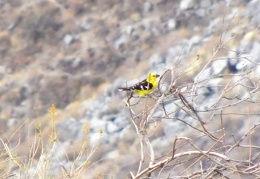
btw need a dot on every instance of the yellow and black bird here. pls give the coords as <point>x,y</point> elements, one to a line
<point>144,87</point>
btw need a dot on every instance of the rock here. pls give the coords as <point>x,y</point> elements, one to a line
<point>148,6</point>
<point>171,24</point>
<point>194,41</point>
<point>255,52</point>
<point>219,66</point>
<point>111,127</point>
<point>232,65</point>
<point>175,127</point>
<point>156,60</point>
<point>213,26</point>
<point>253,9</point>
<point>132,32</point>
<point>187,4</point>
<point>85,26</point>
<point>120,41</point>
<point>68,39</point>
<point>72,65</point>
<point>201,12</point>
<point>243,64</point>
<point>216,68</point>
<point>176,54</point>
<point>69,130</point>
<point>205,3</point>
<point>13,122</point>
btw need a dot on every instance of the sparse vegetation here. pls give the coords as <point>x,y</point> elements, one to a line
<point>202,122</point>
<point>41,159</point>
<point>220,113</point>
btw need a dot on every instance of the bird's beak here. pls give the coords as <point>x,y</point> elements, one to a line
<point>157,75</point>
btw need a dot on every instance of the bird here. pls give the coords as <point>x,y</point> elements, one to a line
<point>145,86</point>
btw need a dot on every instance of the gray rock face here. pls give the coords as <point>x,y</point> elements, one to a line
<point>253,10</point>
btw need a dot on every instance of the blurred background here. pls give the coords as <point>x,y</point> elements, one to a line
<point>76,53</point>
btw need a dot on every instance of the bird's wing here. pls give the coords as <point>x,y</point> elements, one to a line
<point>142,85</point>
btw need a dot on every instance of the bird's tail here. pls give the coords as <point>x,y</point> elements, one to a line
<point>124,89</point>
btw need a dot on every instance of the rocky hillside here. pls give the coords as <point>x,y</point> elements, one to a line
<point>75,54</point>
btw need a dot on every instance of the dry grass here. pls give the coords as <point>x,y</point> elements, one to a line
<point>41,155</point>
